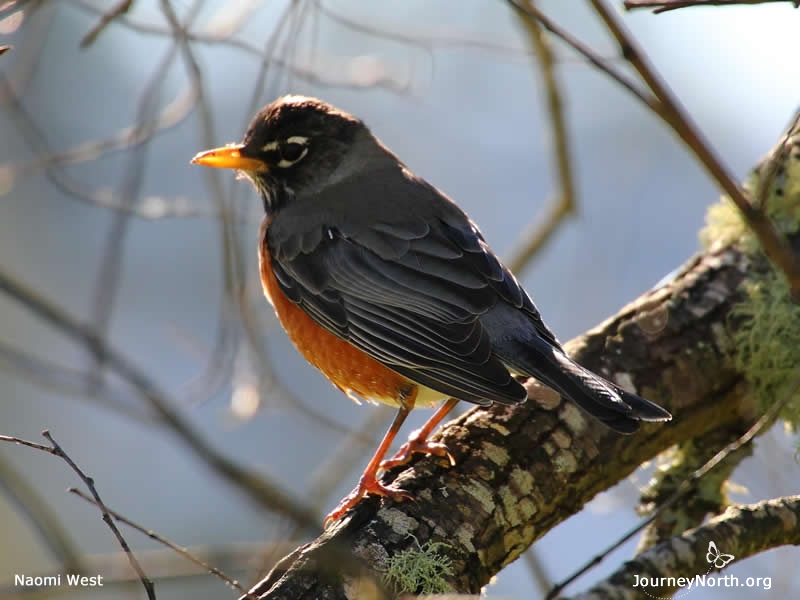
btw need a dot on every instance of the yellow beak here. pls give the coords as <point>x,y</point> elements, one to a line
<point>229,157</point>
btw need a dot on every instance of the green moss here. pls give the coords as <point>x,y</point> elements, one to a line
<point>767,342</point>
<point>765,327</point>
<point>710,492</point>
<point>724,222</point>
<point>420,570</point>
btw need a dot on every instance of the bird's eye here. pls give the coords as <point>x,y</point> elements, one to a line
<point>292,150</point>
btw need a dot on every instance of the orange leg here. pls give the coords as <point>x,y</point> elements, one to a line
<point>418,440</point>
<point>368,483</point>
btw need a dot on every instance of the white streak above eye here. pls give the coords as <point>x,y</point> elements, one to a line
<point>297,139</point>
<point>270,146</point>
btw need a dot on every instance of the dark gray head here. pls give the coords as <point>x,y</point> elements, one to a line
<point>294,146</point>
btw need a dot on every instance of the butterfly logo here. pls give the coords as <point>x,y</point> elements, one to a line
<point>717,558</point>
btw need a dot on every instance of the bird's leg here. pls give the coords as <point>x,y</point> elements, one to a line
<point>368,483</point>
<point>418,440</point>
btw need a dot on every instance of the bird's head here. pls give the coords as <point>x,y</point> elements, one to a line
<point>293,147</point>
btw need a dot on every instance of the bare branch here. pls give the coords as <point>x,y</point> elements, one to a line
<point>122,7</point>
<point>663,6</point>
<point>166,542</point>
<point>56,450</point>
<point>590,55</point>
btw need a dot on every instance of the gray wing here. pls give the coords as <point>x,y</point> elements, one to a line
<point>410,293</point>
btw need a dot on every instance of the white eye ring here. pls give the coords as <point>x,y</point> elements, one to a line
<point>283,163</point>
<point>276,145</point>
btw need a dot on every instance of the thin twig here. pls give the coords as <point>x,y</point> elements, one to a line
<point>590,55</point>
<point>668,5</point>
<point>168,543</point>
<point>89,482</point>
<point>121,8</point>
<point>20,442</point>
<point>56,450</point>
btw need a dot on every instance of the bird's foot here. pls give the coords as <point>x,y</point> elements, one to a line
<point>417,444</point>
<point>368,484</point>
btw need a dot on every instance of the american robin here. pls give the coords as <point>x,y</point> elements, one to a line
<point>386,286</point>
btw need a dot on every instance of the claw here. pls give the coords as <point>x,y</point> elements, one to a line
<point>416,444</point>
<point>368,484</point>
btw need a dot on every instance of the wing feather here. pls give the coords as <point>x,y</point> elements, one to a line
<point>409,291</point>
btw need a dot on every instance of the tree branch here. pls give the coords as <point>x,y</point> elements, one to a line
<point>769,524</point>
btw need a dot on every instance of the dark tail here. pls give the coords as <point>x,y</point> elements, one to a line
<point>618,409</point>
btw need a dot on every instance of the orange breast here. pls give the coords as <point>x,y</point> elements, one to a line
<point>347,367</point>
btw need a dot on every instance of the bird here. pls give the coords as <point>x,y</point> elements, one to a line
<point>388,288</point>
